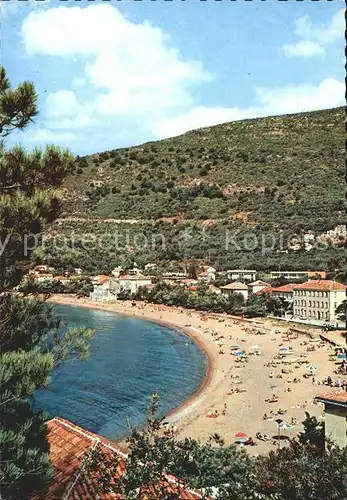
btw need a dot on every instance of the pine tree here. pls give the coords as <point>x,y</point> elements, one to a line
<point>31,343</point>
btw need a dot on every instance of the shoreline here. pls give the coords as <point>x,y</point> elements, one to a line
<point>193,399</point>
<point>240,407</point>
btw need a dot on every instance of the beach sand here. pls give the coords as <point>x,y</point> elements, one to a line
<point>243,411</point>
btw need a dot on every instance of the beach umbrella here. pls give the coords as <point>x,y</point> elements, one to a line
<point>285,426</point>
<point>255,347</point>
<point>311,368</point>
<point>341,356</point>
<point>284,348</point>
<point>241,435</point>
<point>235,346</point>
<point>241,440</point>
<point>240,353</point>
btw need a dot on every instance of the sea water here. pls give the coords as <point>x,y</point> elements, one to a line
<point>130,359</point>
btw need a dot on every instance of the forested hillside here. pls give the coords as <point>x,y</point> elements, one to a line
<point>263,175</point>
<point>275,172</point>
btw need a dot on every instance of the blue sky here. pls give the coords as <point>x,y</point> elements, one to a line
<point>113,74</point>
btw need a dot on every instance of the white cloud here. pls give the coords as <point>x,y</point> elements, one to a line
<point>131,67</point>
<point>315,37</point>
<point>268,101</point>
<point>43,135</point>
<point>324,33</point>
<point>61,103</point>
<point>303,49</point>
<point>78,82</point>
<point>136,83</point>
<point>63,111</point>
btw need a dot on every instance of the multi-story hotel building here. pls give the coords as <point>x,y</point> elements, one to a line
<point>318,299</point>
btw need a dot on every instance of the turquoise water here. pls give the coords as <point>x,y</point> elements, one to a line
<point>129,360</point>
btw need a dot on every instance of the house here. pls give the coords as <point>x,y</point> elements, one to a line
<point>284,292</point>
<point>105,288</point>
<point>256,286</point>
<point>77,271</point>
<point>236,287</point>
<point>241,274</point>
<point>335,409</point>
<point>207,274</point>
<point>318,299</point>
<point>297,275</point>
<point>132,283</point>
<point>70,446</point>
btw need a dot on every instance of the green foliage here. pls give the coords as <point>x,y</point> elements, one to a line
<point>201,300</point>
<point>298,472</point>
<point>17,106</point>
<point>262,176</point>
<point>276,168</point>
<point>32,345</point>
<point>313,432</point>
<point>294,472</point>
<point>31,342</point>
<point>171,244</point>
<point>78,286</point>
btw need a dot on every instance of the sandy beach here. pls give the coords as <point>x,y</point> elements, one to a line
<point>238,390</point>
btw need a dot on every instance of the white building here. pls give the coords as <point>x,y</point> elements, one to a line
<point>131,283</point>
<point>255,286</point>
<point>241,274</point>
<point>235,287</point>
<point>318,299</point>
<point>105,289</point>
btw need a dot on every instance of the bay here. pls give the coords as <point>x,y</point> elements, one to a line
<point>130,359</point>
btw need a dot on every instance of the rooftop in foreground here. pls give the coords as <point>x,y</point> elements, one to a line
<point>338,398</point>
<point>70,446</point>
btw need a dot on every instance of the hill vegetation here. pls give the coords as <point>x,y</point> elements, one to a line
<point>268,175</point>
<point>283,169</point>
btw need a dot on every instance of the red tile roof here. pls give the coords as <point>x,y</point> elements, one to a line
<point>267,289</point>
<point>285,288</point>
<point>70,446</point>
<point>320,285</point>
<point>337,397</point>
